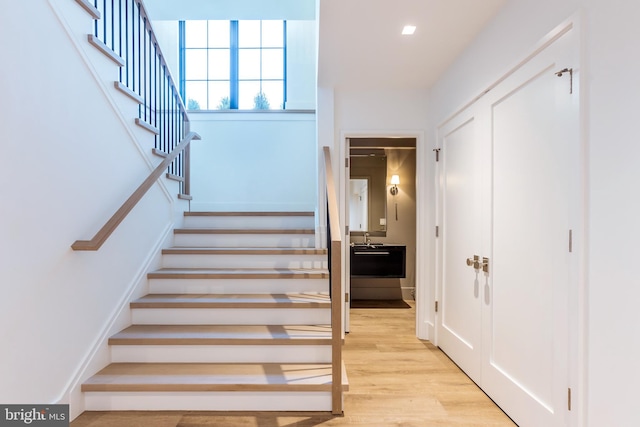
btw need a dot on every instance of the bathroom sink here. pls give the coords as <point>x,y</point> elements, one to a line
<point>378,260</point>
<point>363,245</point>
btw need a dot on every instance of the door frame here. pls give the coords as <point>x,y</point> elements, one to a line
<point>423,194</point>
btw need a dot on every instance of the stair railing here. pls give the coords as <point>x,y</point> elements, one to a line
<point>334,245</point>
<point>122,31</point>
<point>101,236</point>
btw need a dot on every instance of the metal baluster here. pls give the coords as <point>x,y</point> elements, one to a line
<point>120,37</point>
<point>144,66</point>
<point>155,86</point>
<point>113,19</point>
<point>104,22</point>
<point>95,21</point>
<point>139,59</point>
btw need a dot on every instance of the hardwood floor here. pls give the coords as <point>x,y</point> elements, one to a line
<point>395,380</point>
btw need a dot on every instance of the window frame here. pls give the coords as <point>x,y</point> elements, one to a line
<point>234,79</point>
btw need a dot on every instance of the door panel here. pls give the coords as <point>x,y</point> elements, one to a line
<point>530,229</point>
<point>525,336</point>
<point>460,331</point>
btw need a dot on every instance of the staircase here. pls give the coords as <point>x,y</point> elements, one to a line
<point>238,319</point>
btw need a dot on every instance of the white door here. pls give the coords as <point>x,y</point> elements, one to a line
<point>459,333</point>
<point>526,143</point>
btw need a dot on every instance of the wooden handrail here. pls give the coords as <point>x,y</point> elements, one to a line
<point>101,236</point>
<point>336,286</point>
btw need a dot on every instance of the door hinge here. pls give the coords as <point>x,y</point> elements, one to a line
<point>437,151</point>
<point>346,230</point>
<point>569,399</point>
<point>436,306</point>
<point>346,162</point>
<point>570,240</point>
<point>570,71</point>
<point>346,297</point>
<point>437,231</point>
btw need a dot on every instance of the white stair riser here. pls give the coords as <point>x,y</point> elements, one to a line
<point>249,222</point>
<point>221,353</point>
<point>237,286</point>
<point>231,316</point>
<point>208,401</point>
<point>245,240</point>
<point>244,261</point>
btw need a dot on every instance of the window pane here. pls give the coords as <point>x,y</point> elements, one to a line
<point>249,64</point>
<point>248,33</point>
<point>272,34</point>
<point>195,33</point>
<point>219,34</point>
<point>217,92</point>
<point>219,64</point>
<point>195,67</point>
<point>196,91</point>
<point>275,94</point>
<point>247,92</point>
<point>272,64</point>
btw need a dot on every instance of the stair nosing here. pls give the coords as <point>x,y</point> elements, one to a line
<point>259,214</point>
<point>219,273</point>
<point>177,250</point>
<point>221,341</point>
<point>269,378</point>
<point>243,231</point>
<point>223,335</point>
<point>228,301</point>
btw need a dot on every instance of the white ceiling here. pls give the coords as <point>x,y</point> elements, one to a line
<point>361,46</point>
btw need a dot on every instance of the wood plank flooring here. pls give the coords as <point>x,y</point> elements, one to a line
<point>395,380</point>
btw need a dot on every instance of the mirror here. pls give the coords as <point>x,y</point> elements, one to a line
<point>359,204</point>
<point>367,195</point>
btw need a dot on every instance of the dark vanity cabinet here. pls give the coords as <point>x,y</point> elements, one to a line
<point>381,261</point>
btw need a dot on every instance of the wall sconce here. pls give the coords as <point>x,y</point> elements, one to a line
<point>395,180</point>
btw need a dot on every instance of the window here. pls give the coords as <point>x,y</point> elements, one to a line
<point>233,64</point>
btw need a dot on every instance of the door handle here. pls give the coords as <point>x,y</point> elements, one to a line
<point>485,264</point>
<point>475,262</point>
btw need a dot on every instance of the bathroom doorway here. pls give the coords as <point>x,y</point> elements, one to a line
<point>386,226</point>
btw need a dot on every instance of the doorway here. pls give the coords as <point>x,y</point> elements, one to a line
<point>390,215</point>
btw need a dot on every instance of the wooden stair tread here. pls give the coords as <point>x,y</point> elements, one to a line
<point>233,301</point>
<point>204,213</point>
<point>243,231</point>
<point>182,377</point>
<point>238,273</point>
<point>183,250</point>
<point>223,335</point>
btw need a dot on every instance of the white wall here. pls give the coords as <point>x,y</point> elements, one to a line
<point>260,161</point>
<point>610,286</point>
<point>385,113</point>
<point>69,160</point>
<point>301,65</point>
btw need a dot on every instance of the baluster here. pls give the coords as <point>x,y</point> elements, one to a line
<point>120,37</point>
<point>113,19</point>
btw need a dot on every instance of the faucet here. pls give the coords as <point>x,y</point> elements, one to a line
<point>367,241</point>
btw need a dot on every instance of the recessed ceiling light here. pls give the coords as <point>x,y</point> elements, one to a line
<point>408,30</point>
